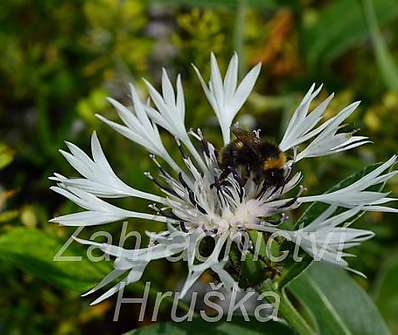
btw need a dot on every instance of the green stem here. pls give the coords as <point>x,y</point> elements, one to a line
<point>239,29</point>
<point>288,312</point>
<point>385,62</point>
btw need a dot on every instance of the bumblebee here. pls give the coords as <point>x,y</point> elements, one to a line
<point>250,154</point>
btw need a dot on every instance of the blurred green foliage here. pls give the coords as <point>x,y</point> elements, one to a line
<point>60,59</point>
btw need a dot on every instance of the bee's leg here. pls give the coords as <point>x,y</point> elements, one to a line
<point>220,180</point>
<point>216,184</point>
<point>280,186</point>
<point>226,172</point>
<point>263,189</point>
<point>235,174</point>
<point>281,182</point>
<point>269,183</point>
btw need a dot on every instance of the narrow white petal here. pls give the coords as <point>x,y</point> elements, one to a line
<point>191,279</point>
<point>244,89</point>
<point>109,278</point>
<point>216,80</point>
<point>231,77</point>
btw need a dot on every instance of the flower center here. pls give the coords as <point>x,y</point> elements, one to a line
<point>246,213</point>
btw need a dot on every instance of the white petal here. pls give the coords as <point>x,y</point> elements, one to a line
<point>356,194</point>
<point>244,90</point>
<point>109,278</point>
<point>98,211</point>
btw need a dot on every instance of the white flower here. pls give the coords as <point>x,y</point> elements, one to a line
<point>196,203</point>
<point>225,97</point>
<point>301,128</point>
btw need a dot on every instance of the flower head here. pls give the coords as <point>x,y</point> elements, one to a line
<point>204,199</point>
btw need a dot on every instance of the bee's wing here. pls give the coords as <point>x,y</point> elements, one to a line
<point>248,138</point>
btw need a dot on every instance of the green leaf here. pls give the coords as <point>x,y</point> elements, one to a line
<point>200,327</point>
<point>292,270</point>
<point>33,250</point>
<point>330,36</point>
<point>338,305</point>
<point>386,295</point>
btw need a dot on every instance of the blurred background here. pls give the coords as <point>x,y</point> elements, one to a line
<point>59,60</point>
